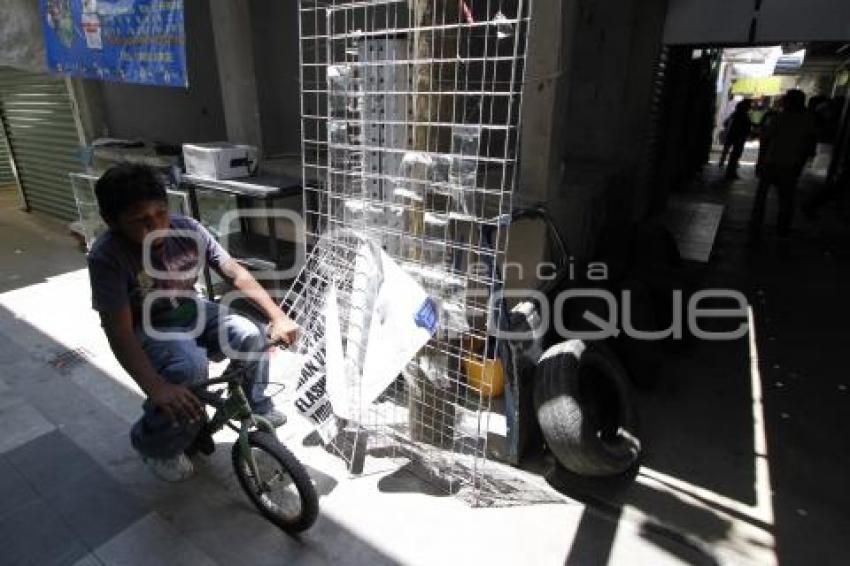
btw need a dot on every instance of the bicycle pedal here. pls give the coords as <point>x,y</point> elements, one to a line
<point>206,445</point>
<point>203,444</point>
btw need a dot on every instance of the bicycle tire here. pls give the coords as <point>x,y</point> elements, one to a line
<point>309,500</point>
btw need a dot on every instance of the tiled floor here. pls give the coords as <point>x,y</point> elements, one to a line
<point>694,224</point>
<point>58,502</point>
<point>72,490</point>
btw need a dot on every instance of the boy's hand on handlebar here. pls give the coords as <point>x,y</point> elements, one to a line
<point>283,330</point>
<point>177,402</point>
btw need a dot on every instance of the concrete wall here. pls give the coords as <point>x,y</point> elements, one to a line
<point>597,99</point>
<point>197,114</point>
<point>131,111</point>
<point>546,82</point>
<point>606,115</point>
<point>167,114</point>
<point>21,36</point>
<point>615,49</point>
<point>276,61</point>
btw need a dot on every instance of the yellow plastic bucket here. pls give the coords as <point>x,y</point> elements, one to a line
<point>487,377</point>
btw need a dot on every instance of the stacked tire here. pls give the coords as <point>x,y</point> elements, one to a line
<point>585,409</point>
<point>583,392</point>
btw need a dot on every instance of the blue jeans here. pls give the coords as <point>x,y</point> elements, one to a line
<point>184,360</point>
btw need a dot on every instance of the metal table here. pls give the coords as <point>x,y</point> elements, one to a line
<point>264,188</point>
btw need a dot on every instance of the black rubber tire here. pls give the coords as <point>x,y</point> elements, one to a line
<point>586,410</point>
<point>269,444</point>
<point>642,359</point>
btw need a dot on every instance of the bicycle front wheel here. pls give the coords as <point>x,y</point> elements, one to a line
<point>282,489</point>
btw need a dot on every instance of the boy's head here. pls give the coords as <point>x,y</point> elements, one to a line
<point>132,201</point>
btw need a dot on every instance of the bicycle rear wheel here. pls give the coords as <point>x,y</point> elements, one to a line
<point>283,492</point>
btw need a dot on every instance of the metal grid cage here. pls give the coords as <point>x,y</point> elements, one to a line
<point>410,126</point>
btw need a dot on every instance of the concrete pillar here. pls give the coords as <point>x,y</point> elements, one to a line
<point>643,52</point>
<point>89,108</point>
<point>231,21</point>
<point>547,69</point>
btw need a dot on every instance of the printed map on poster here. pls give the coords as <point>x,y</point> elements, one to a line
<point>131,41</point>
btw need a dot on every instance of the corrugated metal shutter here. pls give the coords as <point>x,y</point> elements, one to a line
<point>653,146</point>
<point>7,178</point>
<point>39,121</point>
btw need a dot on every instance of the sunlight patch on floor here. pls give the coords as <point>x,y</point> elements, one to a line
<point>748,520</point>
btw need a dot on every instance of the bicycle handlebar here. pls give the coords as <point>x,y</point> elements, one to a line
<point>234,373</point>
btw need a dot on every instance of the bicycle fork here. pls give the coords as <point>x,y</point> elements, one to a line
<point>249,421</point>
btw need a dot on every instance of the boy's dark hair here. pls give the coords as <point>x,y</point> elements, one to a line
<point>123,186</point>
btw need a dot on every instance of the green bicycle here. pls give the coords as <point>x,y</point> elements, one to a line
<point>272,477</point>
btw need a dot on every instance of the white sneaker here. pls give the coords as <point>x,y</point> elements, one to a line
<point>275,417</point>
<point>177,469</point>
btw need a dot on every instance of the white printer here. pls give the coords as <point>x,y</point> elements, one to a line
<point>220,160</point>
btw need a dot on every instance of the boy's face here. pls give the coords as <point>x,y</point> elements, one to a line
<point>141,219</point>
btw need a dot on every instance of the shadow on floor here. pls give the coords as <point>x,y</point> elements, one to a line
<point>683,530</point>
<point>209,511</point>
<point>698,426</point>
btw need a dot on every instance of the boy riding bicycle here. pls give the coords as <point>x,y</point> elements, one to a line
<point>158,328</point>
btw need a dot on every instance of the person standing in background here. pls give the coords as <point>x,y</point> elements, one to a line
<point>768,118</point>
<point>787,143</point>
<point>726,114</point>
<point>838,179</point>
<point>737,134</point>
<point>757,113</point>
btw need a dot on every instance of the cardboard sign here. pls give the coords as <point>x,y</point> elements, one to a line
<point>389,318</point>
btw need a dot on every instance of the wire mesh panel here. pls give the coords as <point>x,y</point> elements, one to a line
<point>410,124</point>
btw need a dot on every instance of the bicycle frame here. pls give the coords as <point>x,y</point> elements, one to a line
<point>234,407</point>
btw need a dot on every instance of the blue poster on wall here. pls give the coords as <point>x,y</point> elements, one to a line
<point>131,41</point>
